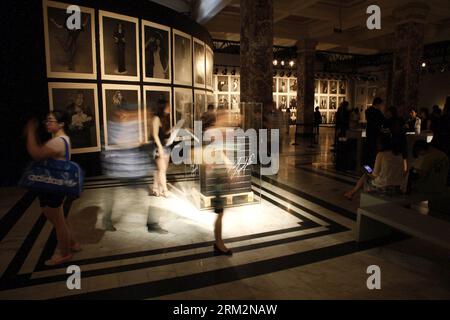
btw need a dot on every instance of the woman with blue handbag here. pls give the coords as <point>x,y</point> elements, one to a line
<point>57,148</point>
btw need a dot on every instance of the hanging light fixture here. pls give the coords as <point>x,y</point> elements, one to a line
<point>291,63</point>
<point>282,63</point>
<point>275,62</point>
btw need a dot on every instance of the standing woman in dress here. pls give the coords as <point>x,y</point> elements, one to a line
<point>161,132</point>
<point>51,203</point>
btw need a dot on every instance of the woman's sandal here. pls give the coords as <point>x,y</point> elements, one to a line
<point>219,252</point>
<point>57,260</point>
<point>153,193</point>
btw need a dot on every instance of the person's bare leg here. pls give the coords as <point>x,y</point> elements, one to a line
<point>56,217</point>
<point>163,173</point>
<point>218,233</point>
<point>359,185</point>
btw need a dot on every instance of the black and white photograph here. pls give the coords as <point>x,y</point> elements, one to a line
<point>274,85</point>
<point>182,60</point>
<point>282,85</point>
<point>282,102</point>
<point>79,102</point>
<point>235,84</point>
<point>324,86</point>
<point>316,101</point>
<point>222,84</point>
<point>333,103</point>
<point>292,102</point>
<point>183,107</point>
<point>332,117</point>
<point>323,103</point>
<point>209,68</point>
<point>69,53</point>
<point>235,100</point>
<point>156,52</point>
<point>292,85</point>
<point>223,101</point>
<point>119,43</point>
<point>342,87</point>
<point>199,103</point>
<point>122,118</point>
<point>199,63</point>
<point>333,87</point>
<point>152,96</point>
<point>316,86</point>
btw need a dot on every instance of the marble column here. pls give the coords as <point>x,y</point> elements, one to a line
<point>306,50</point>
<point>408,50</point>
<point>256,52</point>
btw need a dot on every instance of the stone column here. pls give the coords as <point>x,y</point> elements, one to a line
<point>408,50</point>
<point>306,50</point>
<point>257,52</point>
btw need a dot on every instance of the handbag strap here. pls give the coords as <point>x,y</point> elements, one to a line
<point>67,148</point>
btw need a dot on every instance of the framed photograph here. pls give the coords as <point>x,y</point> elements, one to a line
<point>199,63</point>
<point>223,101</point>
<point>361,95</point>
<point>324,117</point>
<point>183,107</point>
<point>316,101</point>
<point>222,84</point>
<point>340,100</point>
<point>333,87</point>
<point>332,117</point>
<point>79,101</point>
<point>323,102</point>
<point>209,68</point>
<point>152,96</point>
<point>282,85</point>
<point>235,100</point>
<point>156,52</point>
<point>343,87</point>
<point>333,103</point>
<point>122,120</point>
<point>199,103</point>
<point>69,53</point>
<point>292,102</point>
<point>292,85</point>
<point>324,86</point>
<point>235,84</point>
<point>274,85</point>
<point>282,102</point>
<point>316,86</point>
<point>182,61</point>
<point>119,47</point>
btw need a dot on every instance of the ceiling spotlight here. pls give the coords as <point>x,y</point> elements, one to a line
<point>282,63</point>
<point>216,70</point>
<point>224,71</point>
<point>274,73</point>
<point>275,62</point>
<point>289,74</point>
<point>295,75</point>
<point>291,63</point>
<point>424,64</point>
<point>282,74</point>
<point>233,72</point>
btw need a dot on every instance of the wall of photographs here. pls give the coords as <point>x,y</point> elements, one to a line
<point>328,95</point>
<point>136,63</point>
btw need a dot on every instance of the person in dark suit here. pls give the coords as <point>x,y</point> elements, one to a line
<point>375,120</point>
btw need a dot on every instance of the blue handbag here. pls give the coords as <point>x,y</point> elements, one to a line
<point>54,176</point>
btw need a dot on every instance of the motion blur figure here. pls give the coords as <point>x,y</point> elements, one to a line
<point>127,161</point>
<point>219,173</point>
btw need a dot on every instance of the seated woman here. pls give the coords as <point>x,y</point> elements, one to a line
<point>389,172</point>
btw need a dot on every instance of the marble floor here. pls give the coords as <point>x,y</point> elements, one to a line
<point>295,241</point>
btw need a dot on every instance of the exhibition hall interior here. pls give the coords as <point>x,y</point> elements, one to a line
<point>225,150</point>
